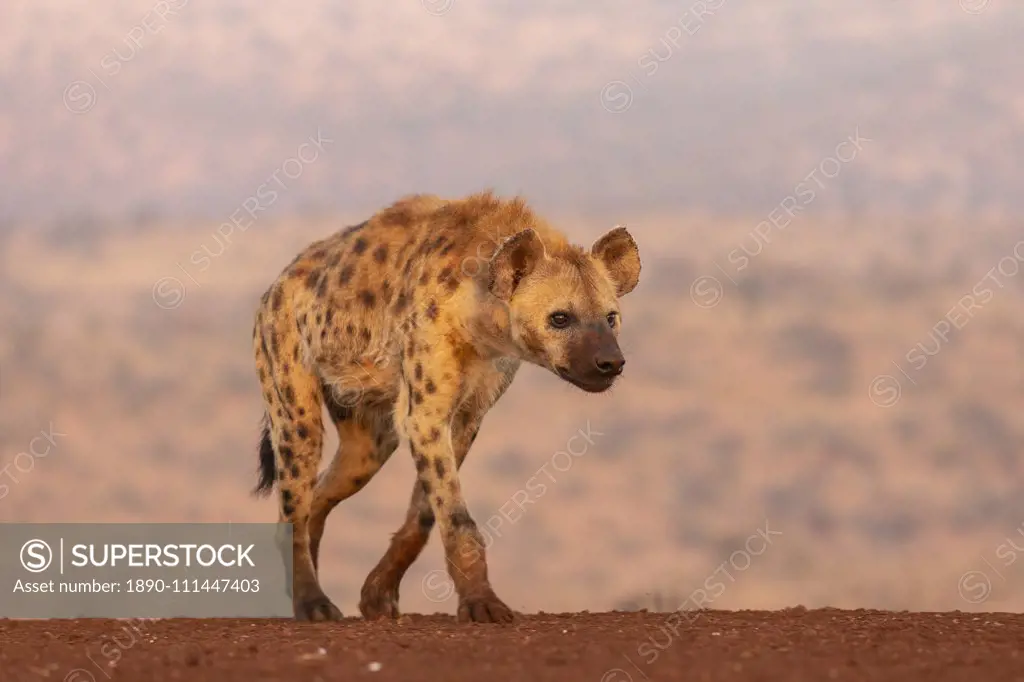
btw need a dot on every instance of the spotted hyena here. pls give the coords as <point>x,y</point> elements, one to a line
<point>412,324</point>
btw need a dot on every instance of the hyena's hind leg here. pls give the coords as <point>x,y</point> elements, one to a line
<point>379,597</point>
<point>294,434</point>
<point>366,439</point>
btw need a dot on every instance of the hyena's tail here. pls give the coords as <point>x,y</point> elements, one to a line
<point>268,467</point>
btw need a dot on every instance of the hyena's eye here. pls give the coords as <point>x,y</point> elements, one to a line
<point>559,320</point>
<point>613,319</point>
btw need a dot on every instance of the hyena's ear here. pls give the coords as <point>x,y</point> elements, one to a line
<point>620,255</point>
<point>513,260</point>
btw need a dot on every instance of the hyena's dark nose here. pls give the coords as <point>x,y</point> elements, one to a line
<point>609,363</point>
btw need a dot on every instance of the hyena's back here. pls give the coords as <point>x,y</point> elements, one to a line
<point>351,294</point>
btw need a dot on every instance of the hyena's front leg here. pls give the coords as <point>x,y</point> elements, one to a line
<point>432,404</point>
<point>379,597</point>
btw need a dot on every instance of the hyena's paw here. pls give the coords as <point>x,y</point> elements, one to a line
<point>316,609</point>
<point>484,608</point>
<point>376,602</point>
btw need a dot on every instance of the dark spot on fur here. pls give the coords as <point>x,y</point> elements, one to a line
<point>460,518</point>
<point>426,518</point>
<point>333,261</point>
<point>365,333</point>
<point>302,411</point>
<point>385,291</point>
<point>311,279</point>
<point>266,354</point>
<point>417,397</point>
<point>350,329</point>
<point>431,388</point>
<point>368,298</point>
<point>410,350</point>
<point>263,374</point>
<point>380,254</point>
<point>463,356</point>
<point>295,353</point>
<point>286,454</point>
<point>278,295</point>
<point>439,501</point>
<point>288,510</point>
<point>432,310</point>
<point>447,249</point>
<point>321,286</point>
<point>319,253</point>
<point>302,432</point>
<point>345,276</point>
<point>295,470</point>
<point>360,245</point>
<point>401,302</point>
<point>419,371</point>
<point>445,275</point>
<point>286,496</point>
<point>359,481</point>
<point>328,316</point>
<point>289,394</point>
<point>424,276</point>
<point>286,436</point>
<point>420,460</point>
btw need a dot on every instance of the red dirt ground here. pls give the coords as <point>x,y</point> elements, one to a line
<point>794,644</point>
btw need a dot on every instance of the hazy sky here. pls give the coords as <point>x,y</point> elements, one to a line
<point>181,107</point>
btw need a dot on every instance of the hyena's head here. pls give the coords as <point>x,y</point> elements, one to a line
<point>564,304</point>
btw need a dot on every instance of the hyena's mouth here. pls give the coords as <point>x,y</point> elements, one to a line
<point>596,384</point>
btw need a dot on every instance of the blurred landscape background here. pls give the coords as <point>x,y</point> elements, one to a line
<point>822,404</point>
